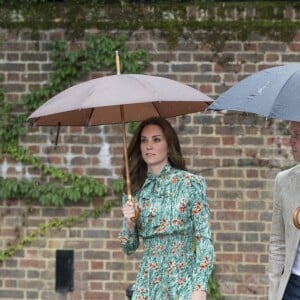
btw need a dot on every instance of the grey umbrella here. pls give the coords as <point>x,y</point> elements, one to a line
<point>272,92</point>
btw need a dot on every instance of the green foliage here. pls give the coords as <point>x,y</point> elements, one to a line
<point>51,193</point>
<point>57,186</point>
<point>118,186</point>
<point>170,17</point>
<point>70,66</point>
<point>283,127</point>
<point>213,288</point>
<point>52,224</point>
<point>11,126</point>
<point>132,126</point>
<point>224,19</point>
<point>13,2</point>
<point>68,187</point>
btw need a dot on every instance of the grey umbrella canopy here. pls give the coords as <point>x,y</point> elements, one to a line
<point>272,92</point>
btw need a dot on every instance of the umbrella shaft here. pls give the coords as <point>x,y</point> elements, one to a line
<point>128,184</point>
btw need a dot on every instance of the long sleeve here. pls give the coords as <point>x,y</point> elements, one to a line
<point>204,247</point>
<point>277,243</point>
<point>129,239</point>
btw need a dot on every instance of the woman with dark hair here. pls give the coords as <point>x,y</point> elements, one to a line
<point>170,213</point>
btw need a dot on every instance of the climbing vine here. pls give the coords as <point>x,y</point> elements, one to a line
<point>67,67</point>
<point>56,224</point>
<point>56,186</point>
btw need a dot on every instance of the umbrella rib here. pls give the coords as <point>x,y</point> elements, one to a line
<point>156,109</point>
<point>57,135</point>
<point>90,117</point>
<point>32,122</point>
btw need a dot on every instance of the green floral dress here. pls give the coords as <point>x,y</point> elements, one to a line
<point>174,226</point>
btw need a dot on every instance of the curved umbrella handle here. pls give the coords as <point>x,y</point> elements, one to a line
<point>295,217</point>
<point>136,211</point>
<point>135,217</point>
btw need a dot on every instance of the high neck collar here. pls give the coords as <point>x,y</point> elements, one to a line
<point>165,170</point>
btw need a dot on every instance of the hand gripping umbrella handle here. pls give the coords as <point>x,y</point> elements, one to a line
<point>295,217</point>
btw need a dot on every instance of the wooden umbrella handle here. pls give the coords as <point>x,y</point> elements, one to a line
<point>135,217</point>
<point>295,217</point>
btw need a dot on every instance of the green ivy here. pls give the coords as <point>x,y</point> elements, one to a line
<point>132,127</point>
<point>118,186</point>
<point>22,241</point>
<point>213,288</point>
<point>12,125</point>
<point>170,17</point>
<point>283,127</point>
<point>68,68</point>
<point>55,186</point>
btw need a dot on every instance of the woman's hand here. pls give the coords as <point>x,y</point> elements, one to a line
<point>130,211</point>
<point>199,295</point>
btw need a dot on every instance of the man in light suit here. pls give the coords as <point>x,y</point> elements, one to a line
<point>284,255</point>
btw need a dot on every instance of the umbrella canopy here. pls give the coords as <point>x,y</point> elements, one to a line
<point>272,92</point>
<point>98,101</point>
<point>119,99</point>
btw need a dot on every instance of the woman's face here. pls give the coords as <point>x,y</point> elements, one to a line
<point>154,148</point>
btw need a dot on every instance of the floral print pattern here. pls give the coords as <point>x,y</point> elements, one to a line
<point>174,226</point>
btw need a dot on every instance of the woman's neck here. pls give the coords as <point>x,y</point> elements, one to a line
<point>155,170</point>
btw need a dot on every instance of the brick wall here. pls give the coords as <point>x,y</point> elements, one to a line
<point>238,154</point>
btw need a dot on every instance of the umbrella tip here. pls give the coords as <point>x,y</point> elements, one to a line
<point>118,63</point>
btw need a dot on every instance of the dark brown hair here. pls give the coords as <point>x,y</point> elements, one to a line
<point>137,166</point>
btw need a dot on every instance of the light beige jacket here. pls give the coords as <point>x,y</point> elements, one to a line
<point>284,236</point>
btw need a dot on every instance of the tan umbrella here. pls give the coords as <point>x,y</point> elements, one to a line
<point>119,99</point>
